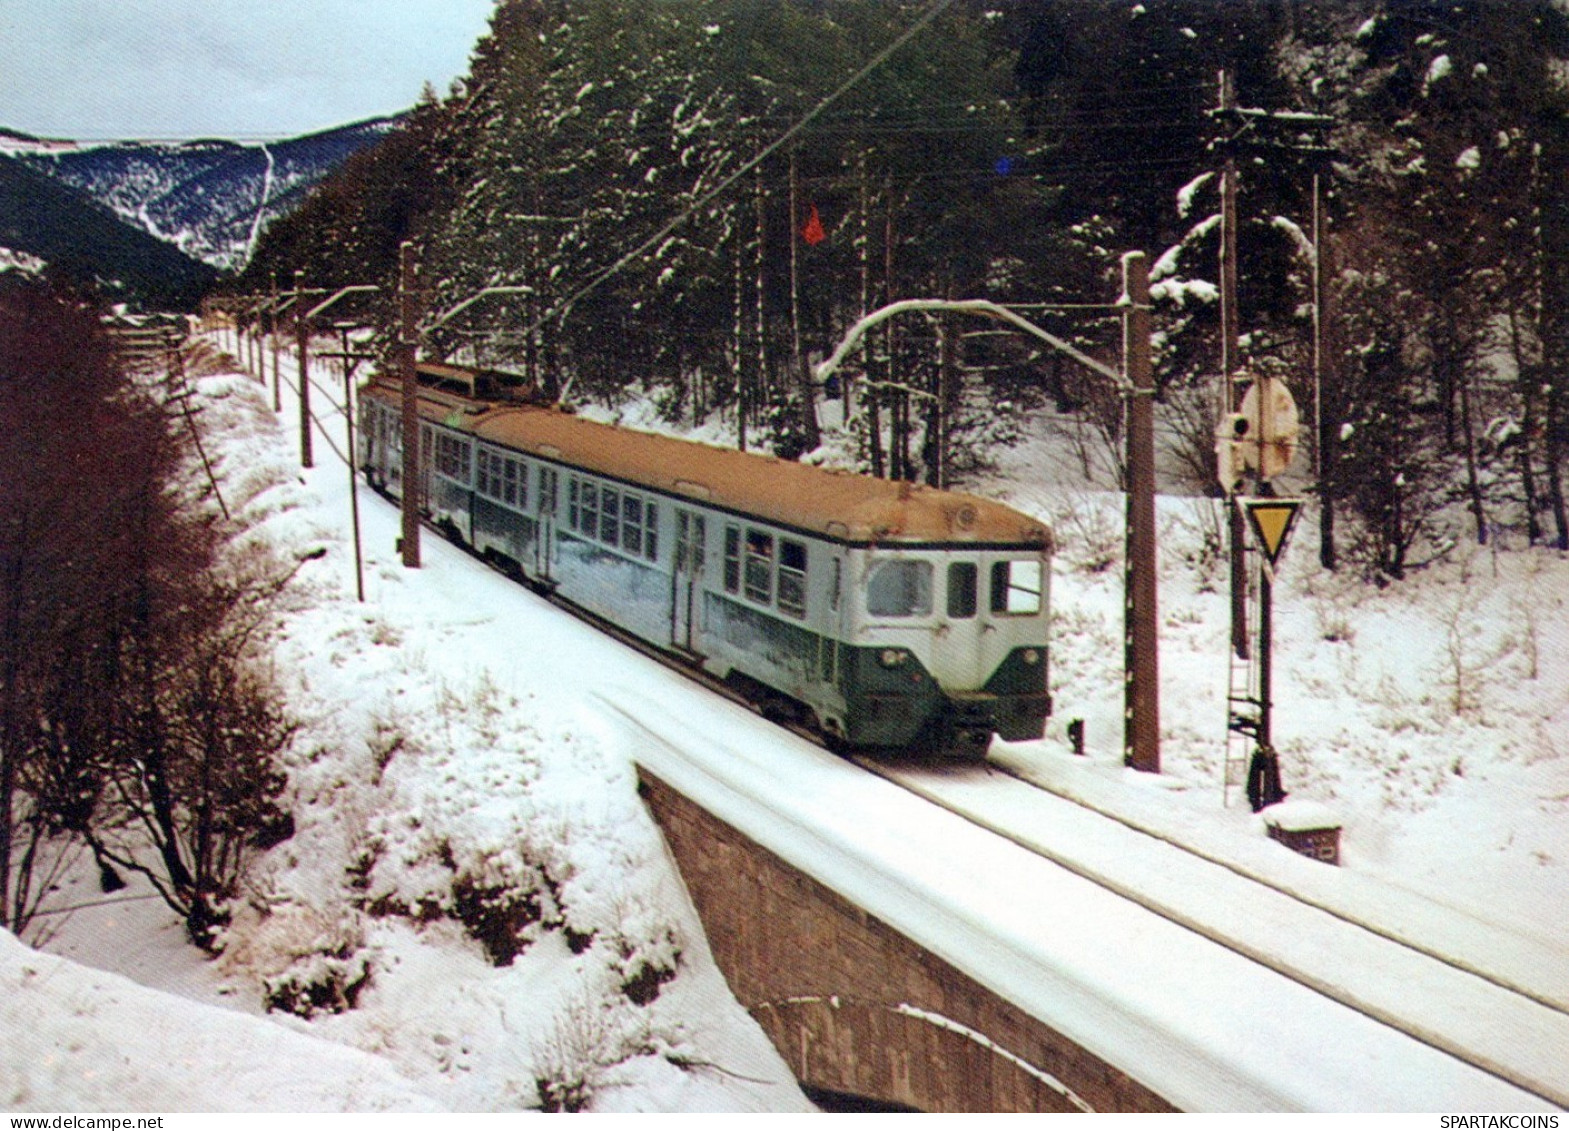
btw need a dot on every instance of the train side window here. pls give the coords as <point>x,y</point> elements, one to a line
<point>590,510</point>
<point>732,559</point>
<point>1016,588</point>
<point>760,566</point>
<point>836,585</point>
<point>452,457</point>
<point>547,491</point>
<point>650,531</point>
<point>515,484</point>
<point>899,589</point>
<point>632,524</point>
<point>610,517</point>
<point>690,533</point>
<point>572,505</point>
<point>792,578</point>
<point>963,590</point>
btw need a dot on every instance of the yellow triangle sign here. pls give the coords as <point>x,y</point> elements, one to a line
<point>1270,520</point>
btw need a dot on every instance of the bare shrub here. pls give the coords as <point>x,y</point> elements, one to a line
<point>319,983</point>
<point>131,714</point>
<point>1090,532</point>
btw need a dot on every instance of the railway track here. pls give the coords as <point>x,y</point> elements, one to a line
<point>1544,960</point>
<point>1442,1001</point>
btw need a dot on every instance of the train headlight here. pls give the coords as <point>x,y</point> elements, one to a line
<point>1031,656</point>
<point>893,657</point>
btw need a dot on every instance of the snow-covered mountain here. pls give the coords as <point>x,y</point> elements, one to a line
<point>45,223</point>
<point>209,198</point>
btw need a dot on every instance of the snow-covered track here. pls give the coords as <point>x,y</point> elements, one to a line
<point>1438,1002</point>
<point>1524,965</point>
<point>1205,1025</point>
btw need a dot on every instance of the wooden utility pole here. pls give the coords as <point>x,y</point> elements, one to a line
<point>1141,745</point>
<point>302,343</point>
<point>408,347</point>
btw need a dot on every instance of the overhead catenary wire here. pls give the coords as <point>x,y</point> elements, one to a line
<point>560,308</point>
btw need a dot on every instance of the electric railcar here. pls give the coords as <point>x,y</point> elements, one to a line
<point>884,615</point>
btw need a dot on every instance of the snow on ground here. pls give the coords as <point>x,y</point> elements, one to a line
<point>77,1040</point>
<point>455,794</point>
<point>469,873</point>
<point>1429,716</point>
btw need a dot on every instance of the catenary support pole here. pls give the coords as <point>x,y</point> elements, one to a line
<point>272,322</point>
<point>302,335</point>
<point>1141,745</point>
<point>354,486</point>
<point>407,364</point>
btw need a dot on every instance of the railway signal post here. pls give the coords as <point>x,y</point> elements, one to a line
<point>1259,439</point>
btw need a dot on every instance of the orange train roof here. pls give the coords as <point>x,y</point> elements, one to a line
<point>836,504</point>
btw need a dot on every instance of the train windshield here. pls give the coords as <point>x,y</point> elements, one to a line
<point>1017,588</point>
<point>899,589</point>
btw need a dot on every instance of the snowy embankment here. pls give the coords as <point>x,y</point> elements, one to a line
<point>474,913</point>
<point>457,793</point>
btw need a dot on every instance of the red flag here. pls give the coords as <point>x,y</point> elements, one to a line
<point>813,232</point>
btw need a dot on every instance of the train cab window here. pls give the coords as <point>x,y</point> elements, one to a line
<point>1017,588</point>
<point>899,589</point>
<point>760,566</point>
<point>792,578</point>
<point>963,590</point>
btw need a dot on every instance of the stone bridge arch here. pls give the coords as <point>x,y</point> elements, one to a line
<point>902,1055</point>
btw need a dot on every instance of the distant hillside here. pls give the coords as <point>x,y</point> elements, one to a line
<point>77,236</point>
<point>209,198</point>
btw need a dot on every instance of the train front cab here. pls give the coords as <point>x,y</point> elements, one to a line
<point>946,647</point>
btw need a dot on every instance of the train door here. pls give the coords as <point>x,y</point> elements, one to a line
<point>958,661</point>
<point>545,537</point>
<point>686,579</point>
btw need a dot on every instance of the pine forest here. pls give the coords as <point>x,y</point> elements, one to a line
<point>693,200</point>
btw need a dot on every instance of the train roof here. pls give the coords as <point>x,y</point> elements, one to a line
<point>834,504</point>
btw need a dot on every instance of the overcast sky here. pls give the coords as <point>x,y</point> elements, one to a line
<point>109,69</point>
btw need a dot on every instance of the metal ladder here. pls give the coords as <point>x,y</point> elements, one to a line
<point>1244,703</point>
